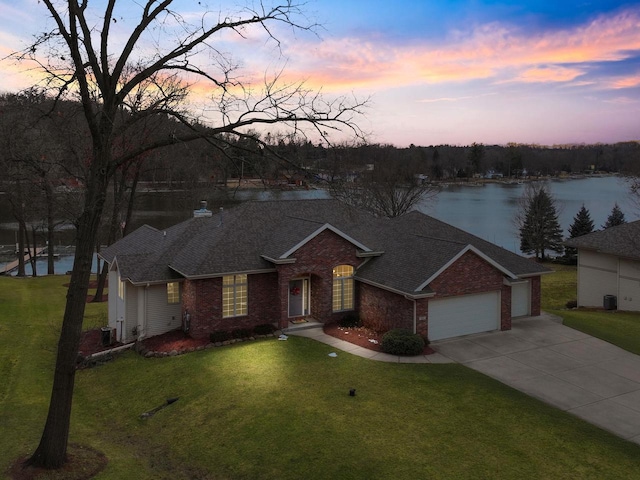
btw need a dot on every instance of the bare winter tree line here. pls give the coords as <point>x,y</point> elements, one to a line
<point>46,146</point>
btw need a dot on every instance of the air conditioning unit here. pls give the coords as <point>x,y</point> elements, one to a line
<point>610,302</point>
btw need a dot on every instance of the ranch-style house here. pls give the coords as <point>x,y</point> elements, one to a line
<point>280,261</point>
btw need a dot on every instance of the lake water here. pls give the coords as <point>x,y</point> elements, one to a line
<point>486,211</point>
<point>489,211</point>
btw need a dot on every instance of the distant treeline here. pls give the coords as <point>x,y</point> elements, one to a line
<point>50,139</point>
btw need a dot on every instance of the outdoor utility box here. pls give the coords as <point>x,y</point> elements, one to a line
<point>105,336</point>
<point>610,302</point>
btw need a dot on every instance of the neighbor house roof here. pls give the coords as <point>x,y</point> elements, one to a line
<point>622,241</point>
<point>406,251</point>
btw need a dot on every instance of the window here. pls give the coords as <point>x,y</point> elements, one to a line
<point>173,293</point>
<point>120,288</point>
<point>342,288</point>
<point>234,295</point>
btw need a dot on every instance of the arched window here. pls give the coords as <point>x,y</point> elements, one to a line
<point>342,288</point>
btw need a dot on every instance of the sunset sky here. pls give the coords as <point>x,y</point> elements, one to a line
<point>445,72</point>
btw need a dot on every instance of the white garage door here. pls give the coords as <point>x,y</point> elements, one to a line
<point>520,299</point>
<point>464,315</point>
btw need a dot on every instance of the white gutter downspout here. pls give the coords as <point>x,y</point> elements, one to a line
<point>415,311</point>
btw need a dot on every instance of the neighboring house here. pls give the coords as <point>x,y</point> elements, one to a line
<point>274,262</point>
<point>609,264</point>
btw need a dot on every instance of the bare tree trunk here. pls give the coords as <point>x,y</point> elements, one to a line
<point>52,450</point>
<point>132,197</point>
<point>33,258</point>
<point>20,252</point>
<point>119,192</point>
<point>102,281</point>
<point>48,191</point>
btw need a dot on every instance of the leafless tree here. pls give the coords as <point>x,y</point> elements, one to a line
<point>388,187</point>
<point>83,57</point>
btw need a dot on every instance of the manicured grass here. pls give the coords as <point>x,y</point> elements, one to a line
<point>620,328</point>
<point>281,409</point>
<point>558,287</point>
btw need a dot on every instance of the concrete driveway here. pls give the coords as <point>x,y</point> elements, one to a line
<point>568,369</point>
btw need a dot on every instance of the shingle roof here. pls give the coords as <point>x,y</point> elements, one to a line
<point>242,238</point>
<point>622,241</point>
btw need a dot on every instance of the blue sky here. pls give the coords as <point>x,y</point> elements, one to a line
<point>454,72</point>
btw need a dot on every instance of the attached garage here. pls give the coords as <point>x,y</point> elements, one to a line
<point>464,315</point>
<point>521,299</point>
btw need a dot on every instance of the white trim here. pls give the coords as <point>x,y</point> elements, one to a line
<point>468,248</point>
<point>279,261</point>
<point>215,275</point>
<point>409,296</point>
<point>113,265</point>
<point>369,254</point>
<point>306,296</point>
<point>326,226</point>
<point>536,274</point>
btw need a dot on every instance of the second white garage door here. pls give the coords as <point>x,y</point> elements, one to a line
<point>464,315</point>
<point>520,299</point>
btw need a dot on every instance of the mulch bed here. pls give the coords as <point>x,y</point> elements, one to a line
<point>91,342</point>
<point>178,341</point>
<point>175,340</point>
<point>362,337</point>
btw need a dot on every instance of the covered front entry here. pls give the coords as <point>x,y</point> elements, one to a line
<point>299,297</point>
<point>464,315</point>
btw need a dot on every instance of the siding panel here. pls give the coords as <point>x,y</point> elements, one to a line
<point>161,317</point>
<point>597,277</point>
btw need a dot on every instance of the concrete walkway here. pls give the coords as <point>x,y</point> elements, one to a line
<point>539,356</point>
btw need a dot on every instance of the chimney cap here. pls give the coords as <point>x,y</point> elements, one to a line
<point>202,212</point>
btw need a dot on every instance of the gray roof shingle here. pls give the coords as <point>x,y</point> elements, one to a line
<point>415,245</point>
<point>622,241</point>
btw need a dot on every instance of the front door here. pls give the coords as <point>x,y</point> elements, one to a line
<point>299,297</point>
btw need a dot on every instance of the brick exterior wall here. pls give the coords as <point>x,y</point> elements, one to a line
<point>381,310</point>
<point>471,274</point>
<point>268,294</point>
<point>203,300</point>
<point>316,260</point>
<point>505,308</point>
<point>535,296</point>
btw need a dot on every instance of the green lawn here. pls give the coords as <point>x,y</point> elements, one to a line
<point>281,410</point>
<point>619,328</point>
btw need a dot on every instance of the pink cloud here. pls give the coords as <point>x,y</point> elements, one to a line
<point>549,74</point>
<point>626,82</point>
<point>492,51</point>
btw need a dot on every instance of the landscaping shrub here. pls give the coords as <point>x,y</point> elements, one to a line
<point>350,320</point>
<point>241,333</point>
<point>264,329</point>
<point>402,342</point>
<point>219,336</point>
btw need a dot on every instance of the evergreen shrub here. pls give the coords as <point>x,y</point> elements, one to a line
<point>402,342</point>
